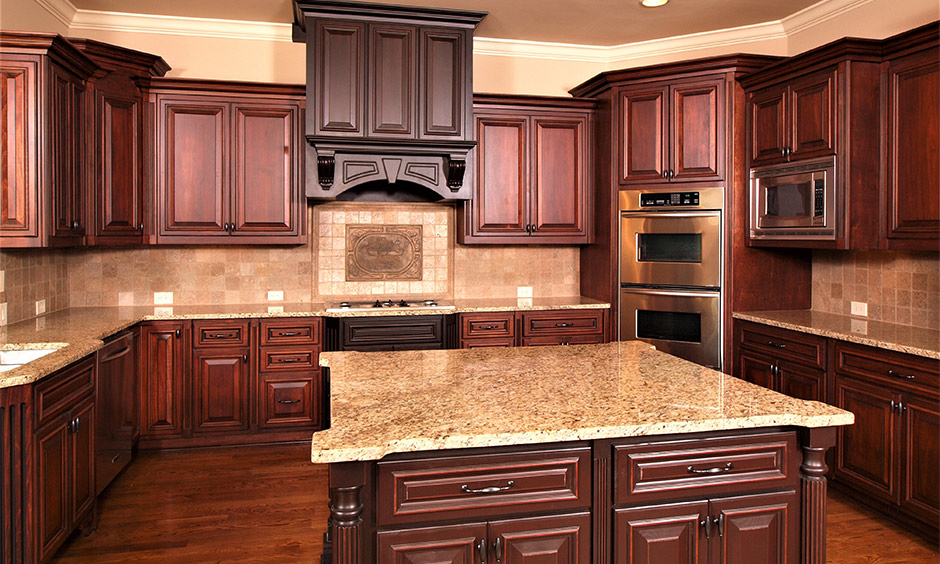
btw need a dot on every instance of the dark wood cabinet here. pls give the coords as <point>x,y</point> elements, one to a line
<point>67,152</point>
<point>788,362</point>
<point>116,408</point>
<point>449,544</point>
<point>228,163</point>
<point>489,329</point>
<point>162,359</point>
<point>220,390</point>
<point>672,132</point>
<point>661,533</point>
<point>565,539</point>
<point>532,172</point>
<point>563,327</point>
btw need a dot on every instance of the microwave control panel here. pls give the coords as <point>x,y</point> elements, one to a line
<point>819,204</point>
<point>662,199</point>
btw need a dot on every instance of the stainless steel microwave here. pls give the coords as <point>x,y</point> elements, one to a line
<point>795,201</point>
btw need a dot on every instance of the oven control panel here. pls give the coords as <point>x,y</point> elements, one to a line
<point>662,199</point>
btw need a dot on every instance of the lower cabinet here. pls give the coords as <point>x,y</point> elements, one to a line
<point>790,378</point>
<point>162,348</point>
<point>291,399</point>
<point>532,328</point>
<point>220,390</point>
<point>782,360</point>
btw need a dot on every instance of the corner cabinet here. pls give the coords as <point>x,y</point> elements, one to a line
<point>533,172</point>
<point>228,165</point>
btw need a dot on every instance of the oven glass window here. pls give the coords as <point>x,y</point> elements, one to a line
<point>790,200</point>
<point>669,325</point>
<point>669,247</point>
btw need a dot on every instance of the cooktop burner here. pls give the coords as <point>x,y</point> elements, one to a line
<point>388,304</point>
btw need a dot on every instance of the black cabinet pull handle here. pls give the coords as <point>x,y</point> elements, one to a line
<point>487,327</point>
<point>715,470</point>
<point>245,357</point>
<point>899,375</point>
<point>115,458</point>
<point>721,525</point>
<point>481,551</point>
<point>778,345</point>
<point>140,227</point>
<point>220,336</point>
<point>177,333</point>
<point>489,490</point>
<point>286,360</point>
<point>77,424</point>
<point>706,524</point>
<point>288,402</point>
<point>564,325</point>
<point>498,549</point>
<point>288,334</point>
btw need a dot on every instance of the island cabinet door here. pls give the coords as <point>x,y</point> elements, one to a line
<point>454,544</point>
<point>560,539</point>
<point>672,533</point>
<point>755,529</point>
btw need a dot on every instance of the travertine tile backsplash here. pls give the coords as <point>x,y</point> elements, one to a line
<point>29,276</point>
<point>898,287</point>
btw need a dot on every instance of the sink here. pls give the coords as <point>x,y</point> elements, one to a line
<point>14,359</point>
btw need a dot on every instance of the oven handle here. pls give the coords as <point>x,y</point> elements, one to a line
<point>667,214</point>
<point>671,293</point>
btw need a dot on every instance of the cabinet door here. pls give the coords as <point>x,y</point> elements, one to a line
<point>643,128</point>
<point>912,167</point>
<point>394,56</point>
<point>563,539</point>
<point>559,188</point>
<point>756,369</point>
<point>338,82</point>
<point>812,116</point>
<point>445,95</point>
<point>52,494</point>
<point>697,132</point>
<point>866,452</point>
<point>161,374</point>
<point>662,533</point>
<point>756,529</point>
<point>220,390</point>
<point>82,461</point>
<point>499,204</point>
<point>801,382</point>
<point>193,159</point>
<point>454,544</point>
<point>67,151</point>
<point>117,190</point>
<point>767,115</point>
<point>920,457</point>
<point>267,190</point>
<point>19,189</point>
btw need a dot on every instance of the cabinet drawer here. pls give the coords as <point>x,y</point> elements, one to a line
<point>563,340</point>
<point>220,333</point>
<point>289,358</point>
<point>60,392</point>
<point>782,343</point>
<point>487,343</point>
<point>290,400</point>
<point>681,468</point>
<point>465,487</point>
<point>487,325</point>
<point>563,322</point>
<point>897,368</point>
<point>290,332</point>
<point>391,332</point>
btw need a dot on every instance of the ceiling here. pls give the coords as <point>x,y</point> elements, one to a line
<point>583,22</point>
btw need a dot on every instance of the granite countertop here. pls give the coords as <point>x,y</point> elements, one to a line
<point>383,403</point>
<point>77,332</point>
<point>901,338</point>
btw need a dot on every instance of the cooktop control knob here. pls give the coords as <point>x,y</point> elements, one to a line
<point>430,303</point>
<point>377,304</point>
<point>403,303</point>
<point>344,304</point>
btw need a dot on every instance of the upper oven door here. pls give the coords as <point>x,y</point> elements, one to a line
<point>671,248</point>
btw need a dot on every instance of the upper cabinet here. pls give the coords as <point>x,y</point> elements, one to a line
<point>42,196</point>
<point>672,131</point>
<point>532,177</point>
<point>227,166</point>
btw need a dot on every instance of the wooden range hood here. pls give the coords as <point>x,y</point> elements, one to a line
<point>389,97</point>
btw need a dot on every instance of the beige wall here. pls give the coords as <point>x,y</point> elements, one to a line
<point>27,15</point>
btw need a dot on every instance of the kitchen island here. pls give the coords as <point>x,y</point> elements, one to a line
<point>596,453</point>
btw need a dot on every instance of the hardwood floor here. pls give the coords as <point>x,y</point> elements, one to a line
<point>268,504</point>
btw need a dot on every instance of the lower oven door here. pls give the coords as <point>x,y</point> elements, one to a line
<point>684,323</point>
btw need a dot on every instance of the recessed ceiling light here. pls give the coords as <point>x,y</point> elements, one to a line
<point>653,3</point>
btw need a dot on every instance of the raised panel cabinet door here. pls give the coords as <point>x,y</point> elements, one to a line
<point>338,81</point>
<point>920,457</point>
<point>393,52</point>
<point>673,533</point>
<point>117,190</point>
<point>82,461</point>
<point>220,390</point>
<point>813,116</point>
<point>866,452</point>
<point>499,203</point>
<point>559,185</point>
<point>161,378</point>
<point>267,191</point>
<point>192,191</point>
<point>801,382</point>
<point>767,120</point>
<point>697,136</point>
<point>756,529</point>
<point>445,86</point>
<point>52,515</point>
<point>67,152</point>
<point>453,544</point>
<point>561,539</point>
<point>292,399</point>
<point>912,167</point>
<point>19,185</point>
<point>643,130</point>
<point>757,369</point>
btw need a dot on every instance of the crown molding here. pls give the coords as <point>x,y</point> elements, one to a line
<point>819,13</point>
<point>174,25</point>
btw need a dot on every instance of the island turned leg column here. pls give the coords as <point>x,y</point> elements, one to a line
<point>815,443</point>
<point>344,545</point>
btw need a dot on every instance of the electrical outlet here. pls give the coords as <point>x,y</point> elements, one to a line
<point>860,308</point>
<point>162,298</point>
<point>3,313</point>
<point>163,310</point>
<point>275,295</point>
<point>40,307</point>
<point>523,291</point>
<point>3,283</point>
<point>275,309</point>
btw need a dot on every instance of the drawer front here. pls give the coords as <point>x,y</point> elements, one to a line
<point>782,343</point>
<point>290,332</point>
<point>677,469</point>
<point>483,486</point>
<point>391,331</point>
<point>562,322</point>
<point>487,343</point>
<point>290,400</point>
<point>60,392</point>
<point>289,358</point>
<point>220,333</point>
<point>487,325</point>
<point>563,340</point>
<point>897,368</point>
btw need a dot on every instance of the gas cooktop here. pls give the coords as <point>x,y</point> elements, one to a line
<point>388,304</point>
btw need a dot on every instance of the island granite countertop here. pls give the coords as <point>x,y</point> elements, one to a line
<point>384,403</point>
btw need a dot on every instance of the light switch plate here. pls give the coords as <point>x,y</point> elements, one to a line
<point>3,313</point>
<point>162,298</point>
<point>860,308</point>
<point>275,295</point>
<point>523,291</point>
<point>3,283</point>
<point>40,307</point>
<point>275,309</point>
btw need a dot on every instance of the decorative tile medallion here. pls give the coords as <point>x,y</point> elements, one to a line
<point>383,252</point>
